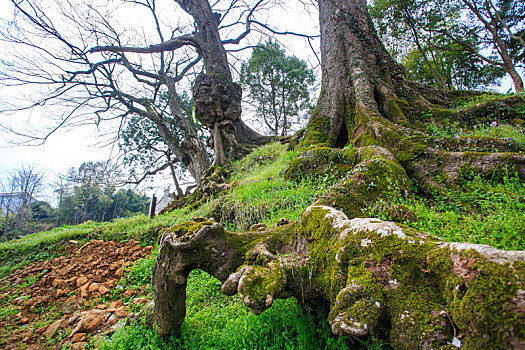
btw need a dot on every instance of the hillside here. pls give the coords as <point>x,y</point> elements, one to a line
<point>75,285</point>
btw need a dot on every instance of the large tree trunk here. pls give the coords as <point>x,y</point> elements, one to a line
<point>217,98</point>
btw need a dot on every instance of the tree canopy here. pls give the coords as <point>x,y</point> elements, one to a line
<point>278,86</point>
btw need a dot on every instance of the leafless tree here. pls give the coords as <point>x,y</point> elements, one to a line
<point>92,71</point>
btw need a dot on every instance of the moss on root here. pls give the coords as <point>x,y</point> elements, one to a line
<point>376,175</point>
<point>418,284</point>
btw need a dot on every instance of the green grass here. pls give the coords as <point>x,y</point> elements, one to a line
<point>215,321</point>
<point>482,211</point>
<point>262,195</point>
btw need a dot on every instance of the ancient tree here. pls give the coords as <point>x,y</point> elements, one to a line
<point>216,97</point>
<point>376,277</point>
<point>76,58</point>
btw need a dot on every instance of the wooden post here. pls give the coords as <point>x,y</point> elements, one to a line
<point>152,206</point>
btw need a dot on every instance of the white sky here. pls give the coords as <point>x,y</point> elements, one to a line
<point>72,147</point>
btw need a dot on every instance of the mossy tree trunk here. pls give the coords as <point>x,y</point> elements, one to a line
<point>377,277</point>
<point>365,100</point>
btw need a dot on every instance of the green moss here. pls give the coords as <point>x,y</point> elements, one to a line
<point>317,131</point>
<point>394,111</point>
<point>377,175</point>
<point>184,231</point>
<point>441,113</point>
<point>261,284</point>
<point>321,162</point>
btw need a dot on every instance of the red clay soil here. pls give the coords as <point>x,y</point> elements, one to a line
<point>49,304</point>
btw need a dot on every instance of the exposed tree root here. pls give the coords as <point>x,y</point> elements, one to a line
<point>378,278</point>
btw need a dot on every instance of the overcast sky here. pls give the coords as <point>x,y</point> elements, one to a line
<point>72,147</point>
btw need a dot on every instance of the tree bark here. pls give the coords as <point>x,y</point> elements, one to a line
<point>217,98</point>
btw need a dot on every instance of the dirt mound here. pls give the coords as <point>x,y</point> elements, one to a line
<point>52,303</point>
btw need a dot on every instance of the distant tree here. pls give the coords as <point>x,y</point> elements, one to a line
<point>457,69</point>
<point>89,193</point>
<point>28,182</point>
<point>278,86</point>
<point>41,210</point>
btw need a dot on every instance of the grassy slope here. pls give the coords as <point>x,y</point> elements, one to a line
<point>480,211</point>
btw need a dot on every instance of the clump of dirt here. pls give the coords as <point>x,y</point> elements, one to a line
<point>68,299</point>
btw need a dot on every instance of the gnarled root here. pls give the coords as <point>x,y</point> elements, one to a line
<point>377,277</point>
<point>199,243</point>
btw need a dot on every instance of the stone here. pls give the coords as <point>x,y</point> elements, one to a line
<point>121,312</point>
<point>129,293</point>
<point>78,346</point>
<point>53,328</point>
<point>81,281</point>
<point>78,337</point>
<point>101,306</point>
<point>140,301</point>
<point>114,305</point>
<point>74,318</point>
<point>41,330</point>
<point>90,323</point>
<point>103,290</point>
<point>119,273</point>
<point>69,306</point>
<point>57,282</point>
<point>59,293</point>
<point>93,287</point>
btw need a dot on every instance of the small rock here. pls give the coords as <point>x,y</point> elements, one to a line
<point>121,312</point>
<point>78,346</point>
<point>69,306</point>
<point>41,330</point>
<point>119,273</point>
<point>101,306</point>
<point>103,290</point>
<point>140,301</point>
<point>72,241</point>
<point>129,293</point>
<point>57,282</point>
<point>81,281</point>
<point>78,337</point>
<point>90,323</point>
<point>53,328</point>
<point>59,293</point>
<point>74,318</point>
<point>93,287</point>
